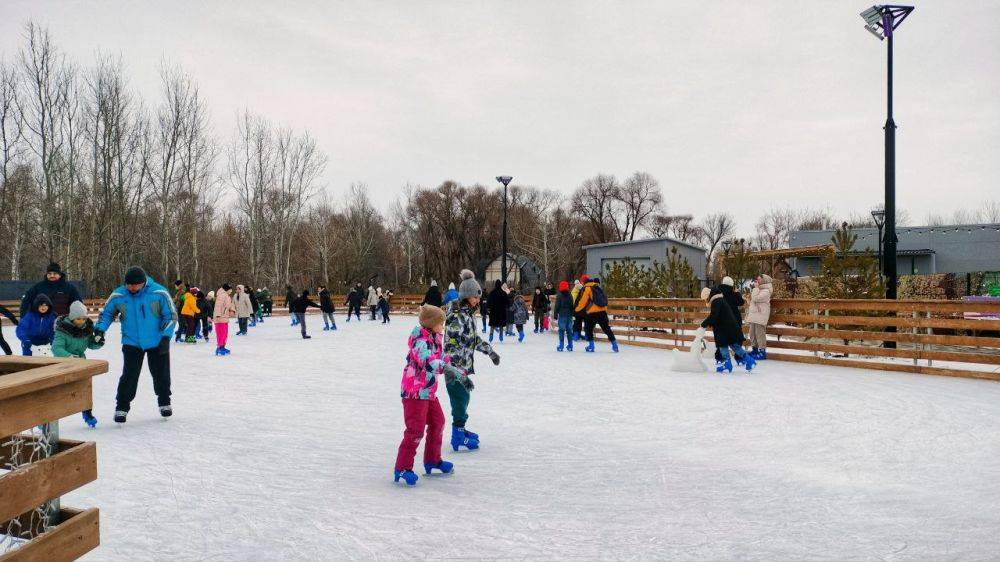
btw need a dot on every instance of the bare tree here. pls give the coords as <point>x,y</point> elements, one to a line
<point>251,173</point>
<point>716,228</point>
<point>594,200</point>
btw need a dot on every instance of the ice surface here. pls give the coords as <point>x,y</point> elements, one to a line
<point>284,451</point>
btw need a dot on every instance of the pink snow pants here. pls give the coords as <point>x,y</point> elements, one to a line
<point>420,414</point>
<point>221,333</point>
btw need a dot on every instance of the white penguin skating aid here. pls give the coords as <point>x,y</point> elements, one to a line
<point>693,360</point>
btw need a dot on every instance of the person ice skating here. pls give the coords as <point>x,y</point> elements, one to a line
<point>593,303</point>
<point>372,300</point>
<point>180,292</point>
<point>223,311</point>
<point>206,304</point>
<point>243,309</point>
<point>74,335</point>
<point>299,307</point>
<point>55,286</point>
<point>520,315</point>
<point>497,305</point>
<point>461,343</point>
<point>433,295</point>
<point>425,363</point>
<point>484,312</point>
<point>13,320</point>
<point>450,297</point>
<point>327,308</point>
<point>758,315</point>
<point>564,317</point>
<point>267,301</point>
<point>353,302</point>
<point>37,328</point>
<point>148,319</point>
<point>289,297</point>
<point>540,308</point>
<point>578,316</point>
<point>254,305</point>
<point>383,306</point>
<point>735,300</point>
<point>511,293</point>
<point>190,310</point>
<point>725,329</point>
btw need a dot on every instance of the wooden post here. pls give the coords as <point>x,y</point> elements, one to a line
<point>930,331</point>
<point>816,327</point>
<point>916,330</point>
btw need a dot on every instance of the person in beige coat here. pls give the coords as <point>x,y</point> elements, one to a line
<point>224,310</point>
<point>244,309</point>
<point>758,314</point>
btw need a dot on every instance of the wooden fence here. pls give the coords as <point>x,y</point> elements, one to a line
<point>37,467</point>
<point>948,338</point>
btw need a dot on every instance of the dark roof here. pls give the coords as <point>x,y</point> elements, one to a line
<point>661,239</point>
<point>924,252</point>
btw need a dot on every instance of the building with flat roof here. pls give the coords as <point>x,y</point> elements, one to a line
<point>922,250</point>
<point>645,253</point>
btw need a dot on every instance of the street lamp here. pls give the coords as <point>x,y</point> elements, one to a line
<point>503,259</point>
<point>881,21</point>
<point>878,215</point>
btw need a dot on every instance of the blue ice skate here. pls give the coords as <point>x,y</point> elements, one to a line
<point>726,365</point>
<point>333,327</point>
<point>459,438</point>
<point>749,362</point>
<point>614,346</point>
<point>89,418</point>
<point>590,347</point>
<point>408,475</point>
<point>569,345</point>
<point>491,336</point>
<point>444,466</point>
<point>520,337</point>
<point>559,348</point>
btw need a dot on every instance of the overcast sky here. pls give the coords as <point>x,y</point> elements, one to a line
<point>738,106</point>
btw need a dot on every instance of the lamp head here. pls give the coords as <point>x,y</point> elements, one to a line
<point>504,180</point>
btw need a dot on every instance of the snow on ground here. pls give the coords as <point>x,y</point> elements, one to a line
<point>284,451</point>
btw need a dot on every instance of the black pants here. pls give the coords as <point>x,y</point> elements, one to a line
<point>373,311</point>
<point>268,306</point>
<point>598,319</point>
<point>243,324</point>
<point>4,346</point>
<point>206,326</point>
<point>538,321</point>
<point>353,309</point>
<point>301,317</point>
<point>159,367</point>
<point>577,324</point>
<point>385,316</point>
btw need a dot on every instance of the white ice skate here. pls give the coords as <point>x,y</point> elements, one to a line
<point>41,350</point>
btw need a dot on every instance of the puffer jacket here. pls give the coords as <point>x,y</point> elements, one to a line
<point>372,296</point>
<point>760,302</point>
<point>425,362</point>
<point>225,308</point>
<point>564,305</point>
<point>147,316</point>
<point>36,328</point>
<point>520,310</point>
<point>585,304</point>
<point>243,307</point>
<point>735,301</point>
<point>724,326</point>
<point>190,307</point>
<point>461,340</point>
<point>72,340</point>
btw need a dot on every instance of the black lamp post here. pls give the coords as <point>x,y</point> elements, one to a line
<point>503,259</point>
<point>878,215</point>
<point>881,21</point>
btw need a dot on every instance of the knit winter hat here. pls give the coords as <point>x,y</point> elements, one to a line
<point>53,268</point>
<point>431,316</point>
<point>563,286</point>
<point>469,287</point>
<point>434,283</point>
<point>451,286</point>
<point>584,278</point>
<point>727,280</point>
<point>705,293</point>
<point>77,310</point>
<point>135,275</point>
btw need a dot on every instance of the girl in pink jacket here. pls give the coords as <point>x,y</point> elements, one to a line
<point>425,363</point>
<point>224,310</point>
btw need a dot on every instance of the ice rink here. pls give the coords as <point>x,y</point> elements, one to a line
<point>284,451</point>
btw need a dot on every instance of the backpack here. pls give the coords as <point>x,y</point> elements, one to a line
<point>598,296</point>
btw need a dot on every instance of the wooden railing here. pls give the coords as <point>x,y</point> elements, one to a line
<point>949,338</point>
<point>37,467</point>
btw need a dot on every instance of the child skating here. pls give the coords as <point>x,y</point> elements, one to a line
<point>564,317</point>
<point>461,342</point>
<point>425,363</point>
<point>74,336</point>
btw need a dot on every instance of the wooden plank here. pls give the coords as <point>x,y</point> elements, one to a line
<point>976,358</point>
<point>879,366</point>
<point>954,323</point>
<point>28,410</point>
<point>864,335</point>
<point>78,533</point>
<point>56,372</point>
<point>883,305</point>
<point>32,485</point>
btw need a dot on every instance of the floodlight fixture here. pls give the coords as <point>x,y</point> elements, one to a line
<point>505,180</point>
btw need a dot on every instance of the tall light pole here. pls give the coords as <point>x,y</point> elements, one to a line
<point>503,258</point>
<point>881,21</point>
<point>878,215</point>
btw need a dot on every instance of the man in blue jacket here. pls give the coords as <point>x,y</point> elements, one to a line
<point>148,319</point>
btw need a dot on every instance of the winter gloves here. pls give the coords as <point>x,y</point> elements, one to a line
<point>494,358</point>
<point>99,336</point>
